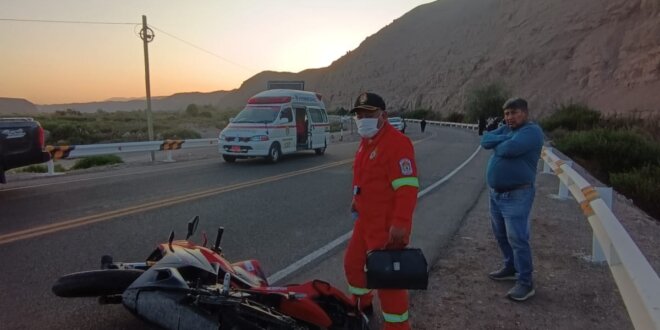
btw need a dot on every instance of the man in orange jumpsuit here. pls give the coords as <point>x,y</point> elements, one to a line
<point>385,187</point>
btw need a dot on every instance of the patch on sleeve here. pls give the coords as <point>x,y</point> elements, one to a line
<point>406,166</point>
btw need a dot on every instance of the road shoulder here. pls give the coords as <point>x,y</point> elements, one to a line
<point>571,292</point>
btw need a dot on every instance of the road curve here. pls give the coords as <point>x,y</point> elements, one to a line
<point>275,213</point>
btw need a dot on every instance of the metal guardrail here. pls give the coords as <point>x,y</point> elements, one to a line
<point>446,123</point>
<point>85,150</point>
<point>638,283</point>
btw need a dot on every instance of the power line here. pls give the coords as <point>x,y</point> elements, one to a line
<point>65,22</point>
<point>202,49</point>
<point>127,23</point>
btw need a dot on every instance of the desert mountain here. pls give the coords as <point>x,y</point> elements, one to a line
<point>605,53</point>
<point>10,106</point>
<point>177,101</point>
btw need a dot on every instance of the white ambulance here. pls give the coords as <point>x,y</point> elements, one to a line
<point>276,122</point>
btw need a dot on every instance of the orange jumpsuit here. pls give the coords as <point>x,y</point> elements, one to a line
<point>385,187</point>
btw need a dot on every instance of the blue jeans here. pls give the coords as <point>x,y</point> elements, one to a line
<point>509,213</point>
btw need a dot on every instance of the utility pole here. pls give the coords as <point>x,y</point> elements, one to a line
<point>147,35</point>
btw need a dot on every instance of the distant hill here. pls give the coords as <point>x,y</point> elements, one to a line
<point>174,102</point>
<point>12,106</point>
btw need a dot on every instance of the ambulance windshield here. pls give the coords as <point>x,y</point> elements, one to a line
<point>257,114</point>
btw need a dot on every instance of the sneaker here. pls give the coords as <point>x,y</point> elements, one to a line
<point>503,274</point>
<point>520,292</point>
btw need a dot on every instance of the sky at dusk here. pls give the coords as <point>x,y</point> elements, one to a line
<point>199,45</point>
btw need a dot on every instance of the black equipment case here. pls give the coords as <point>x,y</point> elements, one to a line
<point>397,269</point>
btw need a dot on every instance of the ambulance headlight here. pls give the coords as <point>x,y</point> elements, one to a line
<point>259,138</point>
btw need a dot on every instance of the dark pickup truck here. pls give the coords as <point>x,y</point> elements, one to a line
<point>21,144</point>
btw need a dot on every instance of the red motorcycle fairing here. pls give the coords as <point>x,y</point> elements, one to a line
<point>301,301</point>
<point>250,270</point>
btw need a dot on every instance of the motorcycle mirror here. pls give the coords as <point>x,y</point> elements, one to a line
<point>169,240</point>
<point>218,238</point>
<point>192,226</point>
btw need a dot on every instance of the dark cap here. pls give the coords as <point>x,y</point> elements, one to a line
<point>515,103</point>
<point>369,101</point>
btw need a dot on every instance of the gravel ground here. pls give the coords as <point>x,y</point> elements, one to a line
<point>571,291</point>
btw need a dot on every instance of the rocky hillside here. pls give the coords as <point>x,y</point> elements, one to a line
<point>605,53</point>
<point>602,52</point>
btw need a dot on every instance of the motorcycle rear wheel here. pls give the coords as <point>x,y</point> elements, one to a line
<point>95,283</point>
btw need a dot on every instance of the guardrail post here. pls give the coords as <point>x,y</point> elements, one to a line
<point>563,190</point>
<point>597,254</point>
<point>546,168</point>
<point>51,167</point>
<point>169,157</point>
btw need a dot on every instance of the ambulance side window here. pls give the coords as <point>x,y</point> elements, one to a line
<point>317,116</point>
<point>288,114</point>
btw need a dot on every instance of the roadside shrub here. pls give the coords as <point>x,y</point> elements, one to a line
<point>39,168</point>
<point>419,114</point>
<point>192,110</point>
<point>572,117</point>
<point>100,160</point>
<point>604,151</point>
<point>335,126</point>
<point>486,101</point>
<point>642,185</point>
<point>455,117</point>
<point>180,134</point>
<point>339,111</point>
<point>637,120</point>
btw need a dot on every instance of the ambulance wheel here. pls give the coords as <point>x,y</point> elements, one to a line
<point>228,158</point>
<point>274,154</point>
<point>320,151</point>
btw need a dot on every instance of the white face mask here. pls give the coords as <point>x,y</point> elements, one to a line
<point>367,127</point>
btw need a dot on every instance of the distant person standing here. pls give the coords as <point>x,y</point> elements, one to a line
<point>511,175</point>
<point>422,124</point>
<point>482,124</point>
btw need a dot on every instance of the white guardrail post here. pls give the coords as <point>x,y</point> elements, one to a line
<point>638,283</point>
<point>562,193</point>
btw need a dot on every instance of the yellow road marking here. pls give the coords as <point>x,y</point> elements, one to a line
<point>87,220</point>
<point>68,224</point>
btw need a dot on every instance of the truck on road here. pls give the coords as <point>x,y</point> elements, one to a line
<point>21,144</point>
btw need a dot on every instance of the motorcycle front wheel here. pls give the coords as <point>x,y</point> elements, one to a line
<point>95,283</point>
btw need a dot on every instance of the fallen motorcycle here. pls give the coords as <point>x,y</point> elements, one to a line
<point>182,285</point>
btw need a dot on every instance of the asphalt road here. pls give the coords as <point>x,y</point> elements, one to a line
<point>276,213</point>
